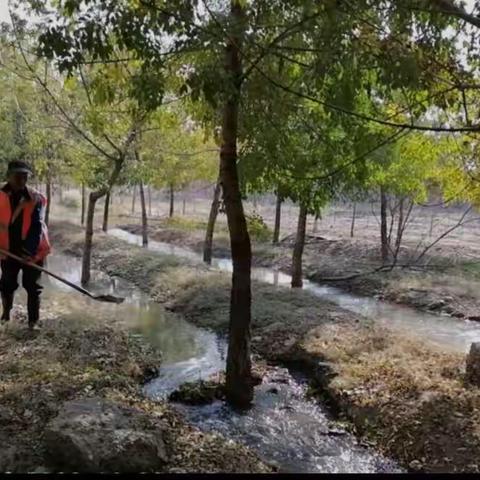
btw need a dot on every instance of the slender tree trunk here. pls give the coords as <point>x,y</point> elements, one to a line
<point>398,239</point>
<point>392,221</point>
<point>144,216</point>
<point>92,200</point>
<point>87,249</point>
<point>172,200</point>
<point>255,202</point>
<point>83,204</point>
<point>383,224</point>
<point>184,207</point>
<point>212,218</point>
<point>239,384</point>
<point>352,227</point>
<point>48,188</point>
<point>134,195</point>
<point>318,216</point>
<point>401,228</point>
<point>105,212</point>
<point>278,216</point>
<point>149,190</point>
<point>297,281</point>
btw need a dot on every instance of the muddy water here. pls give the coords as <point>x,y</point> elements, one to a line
<point>445,332</point>
<point>284,427</point>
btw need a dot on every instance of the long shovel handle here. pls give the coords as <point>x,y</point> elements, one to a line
<point>44,270</point>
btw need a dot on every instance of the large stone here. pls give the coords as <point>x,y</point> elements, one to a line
<point>473,364</point>
<point>93,435</point>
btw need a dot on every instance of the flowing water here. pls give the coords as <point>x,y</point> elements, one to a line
<point>283,426</point>
<point>446,332</point>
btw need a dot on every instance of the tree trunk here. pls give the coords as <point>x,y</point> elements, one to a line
<point>278,215</point>
<point>48,188</point>
<point>184,207</point>
<point>83,204</point>
<point>352,228</point>
<point>383,224</point>
<point>207,247</point>
<point>255,202</point>
<point>92,200</point>
<point>144,216</point>
<point>239,385</point>
<point>172,200</point>
<point>133,198</point>
<point>297,281</point>
<point>149,190</point>
<point>392,221</point>
<point>401,227</point>
<point>105,212</point>
<point>398,239</point>
<point>318,216</point>
<point>87,249</point>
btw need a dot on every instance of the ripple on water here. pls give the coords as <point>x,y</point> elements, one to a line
<point>290,431</point>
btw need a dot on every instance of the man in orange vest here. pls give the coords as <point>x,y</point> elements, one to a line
<point>24,233</point>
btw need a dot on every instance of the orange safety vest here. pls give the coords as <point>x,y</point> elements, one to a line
<point>7,217</point>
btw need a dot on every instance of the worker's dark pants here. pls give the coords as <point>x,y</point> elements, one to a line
<point>30,282</point>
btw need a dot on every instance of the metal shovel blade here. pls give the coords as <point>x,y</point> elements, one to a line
<point>108,298</point>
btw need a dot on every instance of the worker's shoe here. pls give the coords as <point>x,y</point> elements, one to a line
<point>7,304</point>
<point>33,309</point>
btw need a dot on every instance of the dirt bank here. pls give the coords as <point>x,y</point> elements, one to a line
<point>406,398</point>
<point>443,288</point>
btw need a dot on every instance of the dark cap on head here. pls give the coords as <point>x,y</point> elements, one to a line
<point>18,166</point>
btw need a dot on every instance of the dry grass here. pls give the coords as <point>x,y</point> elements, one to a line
<point>409,399</point>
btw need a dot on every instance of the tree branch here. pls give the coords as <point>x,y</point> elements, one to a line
<point>52,96</point>
<point>447,232</point>
<point>448,7</point>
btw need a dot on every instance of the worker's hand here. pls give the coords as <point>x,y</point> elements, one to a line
<point>27,256</point>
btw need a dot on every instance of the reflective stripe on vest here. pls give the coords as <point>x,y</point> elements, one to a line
<point>6,218</point>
